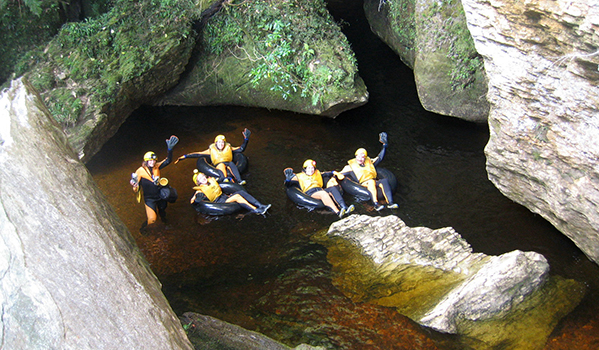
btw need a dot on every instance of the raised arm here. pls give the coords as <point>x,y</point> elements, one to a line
<point>246,137</point>
<point>381,155</point>
<point>170,144</point>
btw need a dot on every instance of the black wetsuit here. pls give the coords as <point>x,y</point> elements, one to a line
<point>151,190</point>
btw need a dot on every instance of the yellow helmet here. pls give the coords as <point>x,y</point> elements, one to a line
<point>220,137</point>
<point>361,150</point>
<point>150,156</point>
<point>309,162</point>
<point>196,172</point>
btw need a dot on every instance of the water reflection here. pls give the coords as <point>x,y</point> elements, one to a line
<point>254,271</point>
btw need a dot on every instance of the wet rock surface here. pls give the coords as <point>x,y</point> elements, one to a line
<point>433,277</point>
<point>541,60</point>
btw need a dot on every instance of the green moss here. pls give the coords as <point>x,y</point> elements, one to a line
<point>285,50</point>
<point>402,20</point>
<point>99,55</point>
<point>454,33</point>
<point>25,31</point>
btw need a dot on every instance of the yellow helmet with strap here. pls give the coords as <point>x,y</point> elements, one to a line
<point>220,137</point>
<point>309,162</point>
<point>149,156</point>
<point>196,172</point>
<point>361,150</point>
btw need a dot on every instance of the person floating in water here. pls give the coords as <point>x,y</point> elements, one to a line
<point>207,188</point>
<point>362,170</point>
<point>147,179</point>
<point>221,156</point>
<point>311,183</point>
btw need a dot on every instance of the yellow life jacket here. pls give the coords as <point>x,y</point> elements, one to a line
<point>144,172</point>
<point>217,156</point>
<point>363,173</point>
<point>308,182</point>
<point>212,189</point>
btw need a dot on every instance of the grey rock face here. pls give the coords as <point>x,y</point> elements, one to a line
<point>541,59</point>
<point>502,282</point>
<point>71,276</point>
<point>433,277</point>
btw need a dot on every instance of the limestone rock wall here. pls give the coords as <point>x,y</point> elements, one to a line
<point>433,277</point>
<point>71,276</point>
<point>542,61</point>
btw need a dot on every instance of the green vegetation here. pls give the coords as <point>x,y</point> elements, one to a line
<point>461,46</point>
<point>87,63</point>
<point>26,26</point>
<point>285,42</point>
<point>402,20</point>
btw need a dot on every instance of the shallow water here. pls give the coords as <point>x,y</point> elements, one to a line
<point>256,271</point>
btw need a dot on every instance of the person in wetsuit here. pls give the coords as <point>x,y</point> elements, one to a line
<point>362,170</point>
<point>147,178</point>
<point>207,188</point>
<point>311,182</point>
<point>221,155</point>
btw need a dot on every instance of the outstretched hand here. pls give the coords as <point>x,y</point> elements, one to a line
<point>383,138</point>
<point>338,175</point>
<point>171,142</point>
<point>288,174</point>
<point>246,133</point>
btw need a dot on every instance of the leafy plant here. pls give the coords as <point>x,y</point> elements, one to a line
<point>282,44</point>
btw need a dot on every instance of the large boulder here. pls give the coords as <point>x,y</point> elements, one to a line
<point>71,276</point>
<point>431,37</point>
<point>541,59</point>
<point>433,277</point>
<point>94,73</point>
<point>286,55</point>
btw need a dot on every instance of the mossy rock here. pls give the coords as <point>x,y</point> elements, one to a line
<point>286,55</point>
<point>94,73</point>
<point>433,39</point>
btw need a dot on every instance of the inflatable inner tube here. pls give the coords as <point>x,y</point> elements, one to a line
<point>204,165</point>
<point>210,208</point>
<point>301,199</point>
<point>360,193</point>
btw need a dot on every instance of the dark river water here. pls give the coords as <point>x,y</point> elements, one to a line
<point>242,268</point>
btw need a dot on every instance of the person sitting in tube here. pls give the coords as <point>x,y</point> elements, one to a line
<point>311,183</point>
<point>362,170</point>
<point>147,176</point>
<point>221,156</point>
<point>207,188</point>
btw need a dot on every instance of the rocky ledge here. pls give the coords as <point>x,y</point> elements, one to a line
<point>433,277</point>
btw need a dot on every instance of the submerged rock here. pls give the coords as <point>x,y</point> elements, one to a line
<point>433,277</point>
<point>71,276</point>
<point>432,38</point>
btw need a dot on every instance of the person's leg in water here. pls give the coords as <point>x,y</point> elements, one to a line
<point>222,167</point>
<point>162,209</point>
<point>235,172</point>
<point>150,214</point>
<point>338,198</point>
<point>247,201</point>
<point>326,200</point>
<point>383,184</point>
<point>371,186</point>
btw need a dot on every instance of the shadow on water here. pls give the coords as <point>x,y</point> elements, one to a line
<point>245,269</point>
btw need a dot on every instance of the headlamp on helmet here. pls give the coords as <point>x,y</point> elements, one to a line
<point>149,156</point>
